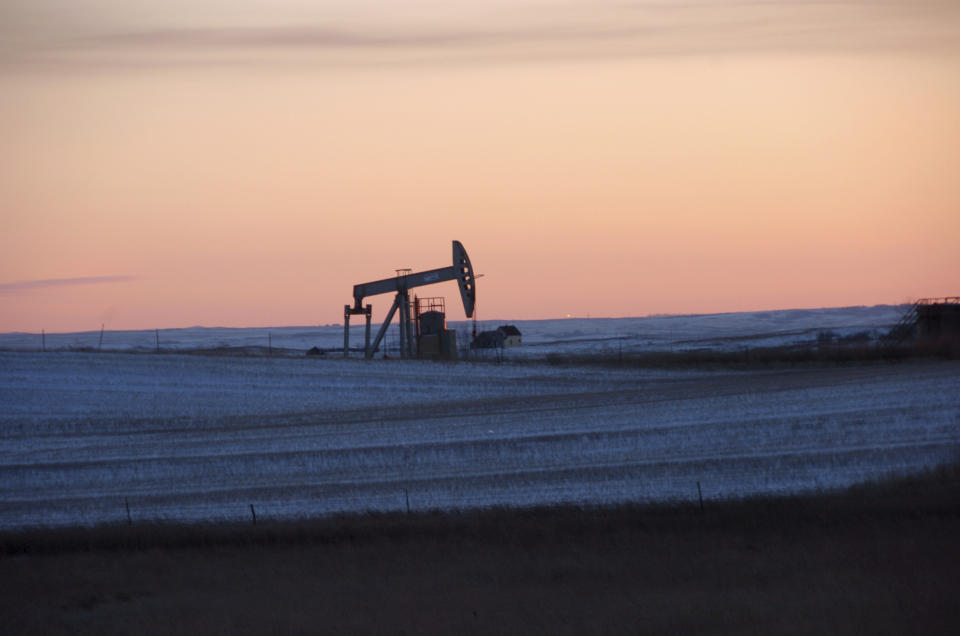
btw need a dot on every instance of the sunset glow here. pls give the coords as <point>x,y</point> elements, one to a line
<point>174,164</point>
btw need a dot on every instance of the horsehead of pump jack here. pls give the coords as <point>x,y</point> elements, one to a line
<point>461,271</point>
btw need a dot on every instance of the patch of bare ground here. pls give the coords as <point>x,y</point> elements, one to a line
<point>823,355</point>
<point>879,558</point>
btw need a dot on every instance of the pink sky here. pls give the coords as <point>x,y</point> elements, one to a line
<point>182,163</point>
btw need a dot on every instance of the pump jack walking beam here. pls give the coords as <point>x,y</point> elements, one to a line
<point>461,271</point>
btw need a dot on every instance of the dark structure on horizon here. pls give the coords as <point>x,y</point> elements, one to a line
<point>503,336</point>
<point>929,320</point>
<point>938,318</point>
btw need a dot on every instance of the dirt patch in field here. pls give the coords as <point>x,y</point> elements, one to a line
<point>877,559</point>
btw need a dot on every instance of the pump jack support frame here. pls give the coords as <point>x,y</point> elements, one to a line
<point>350,311</point>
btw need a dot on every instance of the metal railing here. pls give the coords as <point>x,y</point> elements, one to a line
<point>945,300</point>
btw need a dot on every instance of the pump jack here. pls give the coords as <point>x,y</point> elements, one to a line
<point>402,283</point>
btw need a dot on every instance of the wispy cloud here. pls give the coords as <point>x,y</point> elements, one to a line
<point>24,286</point>
<point>559,29</point>
<point>307,37</point>
<point>682,28</point>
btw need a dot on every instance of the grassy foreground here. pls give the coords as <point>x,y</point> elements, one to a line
<point>881,558</point>
<point>826,354</point>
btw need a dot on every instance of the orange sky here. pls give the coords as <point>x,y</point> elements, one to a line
<point>176,164</point>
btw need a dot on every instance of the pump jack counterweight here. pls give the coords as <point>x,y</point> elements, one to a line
<point>401,284</point>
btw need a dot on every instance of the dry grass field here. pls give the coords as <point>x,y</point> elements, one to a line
<point>879,559</point>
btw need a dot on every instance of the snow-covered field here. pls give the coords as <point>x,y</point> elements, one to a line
<point>540,337</point>
<point>174,436</point>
